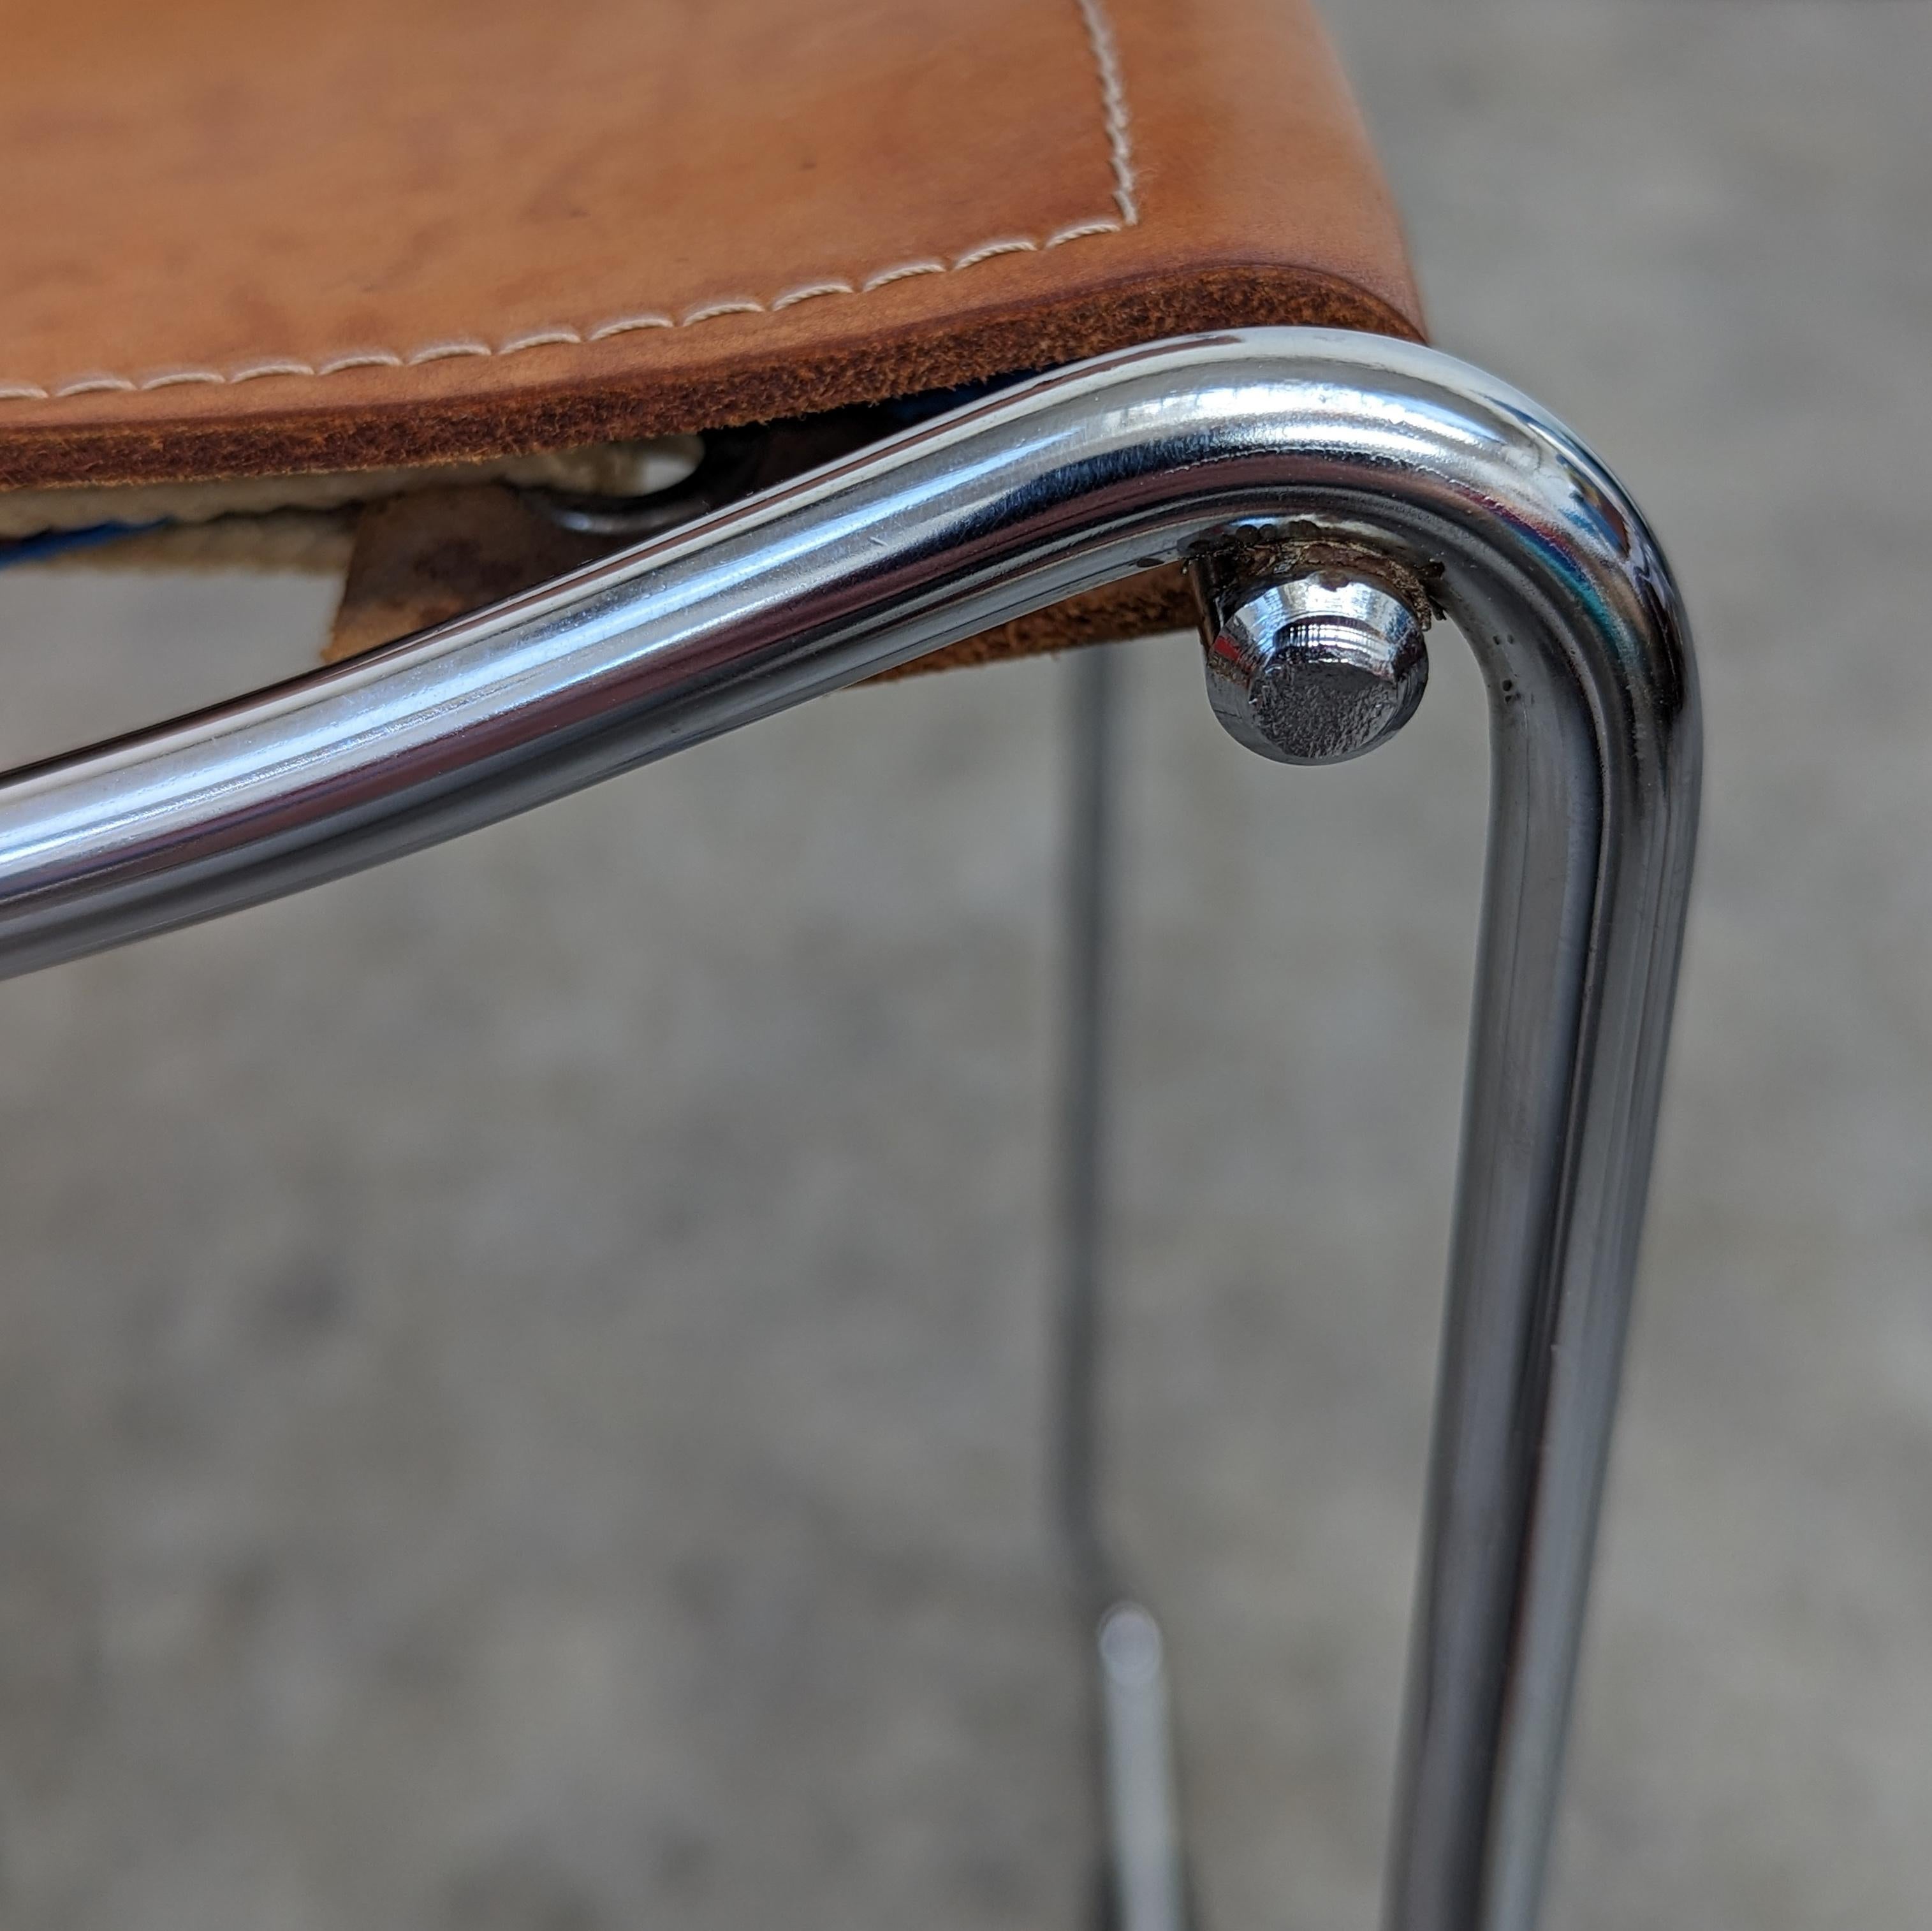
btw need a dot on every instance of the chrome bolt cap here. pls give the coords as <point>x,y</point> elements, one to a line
<point>1313,669</point>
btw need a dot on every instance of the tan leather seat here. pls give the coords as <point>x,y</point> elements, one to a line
<point>253,240</point>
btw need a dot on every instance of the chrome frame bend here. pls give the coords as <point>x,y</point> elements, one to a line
<point>1052,488</point>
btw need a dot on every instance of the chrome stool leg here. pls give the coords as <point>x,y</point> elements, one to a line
<point>1314,655</point>
<point>1144,1885</point>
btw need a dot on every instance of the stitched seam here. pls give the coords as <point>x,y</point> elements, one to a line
<point>1115,120</point>
<point>1114,108</point>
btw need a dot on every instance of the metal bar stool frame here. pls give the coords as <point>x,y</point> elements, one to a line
<point>1198,450</point>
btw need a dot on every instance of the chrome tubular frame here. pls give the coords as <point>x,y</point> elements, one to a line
<point>1052,488</point>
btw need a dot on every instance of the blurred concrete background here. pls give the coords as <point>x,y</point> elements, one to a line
<point>522,1374</point>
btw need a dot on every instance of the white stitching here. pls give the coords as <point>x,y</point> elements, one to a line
<point>741,304</point>
<point>1120,145</point>
<point>1076,230</point>
<point>538,338</point>
<point>1012,245</point>
<point>1114,102</point>
<point>82,385</point>
<point>808,290</point>
<point>440,351</point>
<point>899,274</point>
<point>623,324</point>
<point>249,373</point>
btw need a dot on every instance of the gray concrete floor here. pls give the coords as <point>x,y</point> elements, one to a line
<point>522,1374</point>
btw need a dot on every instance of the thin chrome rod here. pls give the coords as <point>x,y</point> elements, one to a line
<point>1134,1753</point>
<point>1054,487</point>
<point>1146,1860</point>
<point>1087,1005</point>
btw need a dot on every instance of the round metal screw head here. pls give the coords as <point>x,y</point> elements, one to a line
<point>1313,669</point>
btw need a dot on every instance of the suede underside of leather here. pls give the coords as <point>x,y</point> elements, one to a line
<point>422,559</point>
